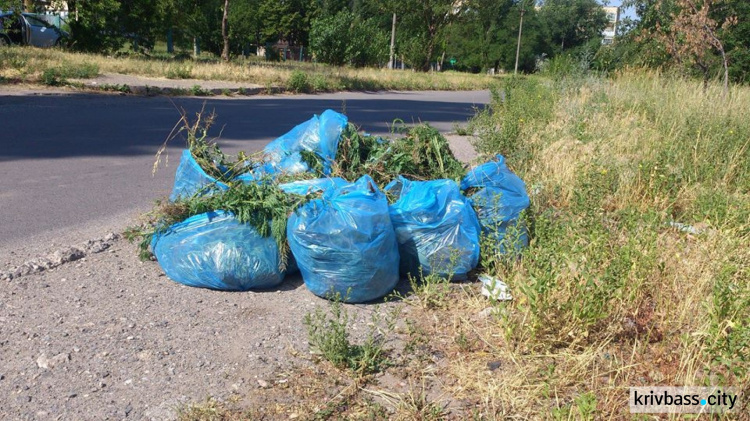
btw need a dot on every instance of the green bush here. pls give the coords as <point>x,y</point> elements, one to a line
<point>51,77</point>
<point>518,102</point>
<point>55,76</point>
<point>179,71</point>
<point>346,39</point>
<point>298,82</point>
<point>96,28</point>
<point>328,335</point>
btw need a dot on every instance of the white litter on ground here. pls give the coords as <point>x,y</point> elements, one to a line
<point>494,288</point>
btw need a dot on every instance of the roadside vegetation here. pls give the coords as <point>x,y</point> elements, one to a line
<point>636,273</point>
<point>56,67</point>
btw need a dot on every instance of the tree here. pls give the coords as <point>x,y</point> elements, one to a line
<point>691,37</point>
<point>140,22</point>
<point>288,20</point>
<point>347,39</point>
<point>736,38</point>
<point>477,36</point>
<point>329,38</point>
<point>572,23</point>
<point>97,28</point>
<point>247,23</point>
<point>423,25</point>
<point>534,40</point>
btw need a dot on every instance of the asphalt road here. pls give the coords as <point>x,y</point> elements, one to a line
<point>74,163</point>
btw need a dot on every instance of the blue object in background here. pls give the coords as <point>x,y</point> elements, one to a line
<point>499,201</point>
<point>213,250</point>
<point>190,179</point>
<point>436,228</point>
<point>319,135</point>
<point>344,243</point>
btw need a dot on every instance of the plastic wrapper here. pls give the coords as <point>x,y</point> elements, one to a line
<point>213,250</point>
<point>436,228</point>
<point>320,135</point>
<point>499,199</point>
<point>344,243</point>
<point>190,179</point>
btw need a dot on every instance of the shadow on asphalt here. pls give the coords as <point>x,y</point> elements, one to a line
<point>81,125</point>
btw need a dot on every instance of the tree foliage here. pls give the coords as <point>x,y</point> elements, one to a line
<point>706,37</point>
<point>572,23</point>
<point>344,38</point>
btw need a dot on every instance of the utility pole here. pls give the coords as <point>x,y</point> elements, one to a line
<point>518,46</point>
<point>392,60</point>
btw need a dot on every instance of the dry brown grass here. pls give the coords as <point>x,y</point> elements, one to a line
<point>28,65</point>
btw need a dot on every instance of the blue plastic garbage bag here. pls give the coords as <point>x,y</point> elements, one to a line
<point>436,228</point>
<point>213,250</point>
<point>344,243</point>
<point>319,135</point>
<point>304,187</point>
<point>499,201</point>
<point>191,179</point>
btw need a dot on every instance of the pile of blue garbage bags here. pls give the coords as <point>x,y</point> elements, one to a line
<point>348,243</point>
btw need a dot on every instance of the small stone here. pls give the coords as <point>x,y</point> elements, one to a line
<point>494,365</point>
<point>42,361</point>
<point>98,247</point>
<point>66,255</point>
<point>50,363</point>
<point>39,264</point>
<point>262,383</point>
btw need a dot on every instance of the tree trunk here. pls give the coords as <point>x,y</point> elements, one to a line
<point>225,31</point>
<point>428,58</point>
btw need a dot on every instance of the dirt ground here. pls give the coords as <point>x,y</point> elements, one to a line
<point>110,337</point>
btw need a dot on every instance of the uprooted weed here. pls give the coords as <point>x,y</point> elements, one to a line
<point>262,205</point>
<point>204,148</point>
<point>422,154</point>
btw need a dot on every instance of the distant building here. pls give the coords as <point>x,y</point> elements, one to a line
<point>613,17</point>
